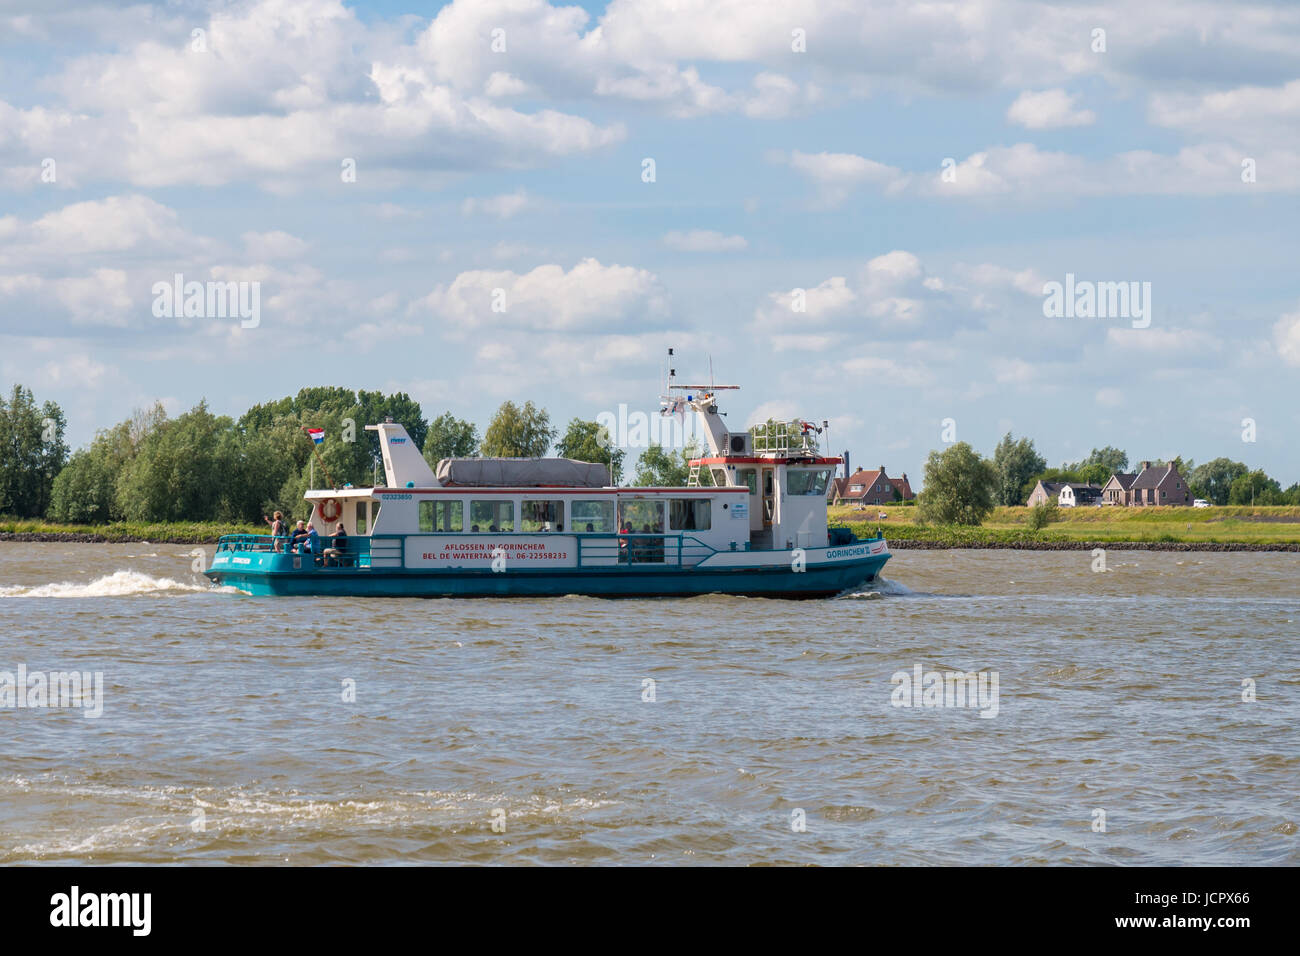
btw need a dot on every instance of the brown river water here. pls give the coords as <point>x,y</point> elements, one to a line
<point>711,730</point>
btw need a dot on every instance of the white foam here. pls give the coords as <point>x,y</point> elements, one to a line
<point>117,584</point>
<point>881,588</point>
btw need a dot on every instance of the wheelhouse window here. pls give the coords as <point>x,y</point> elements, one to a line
<point>749,478</point>
<point>492,515</point>
<point>541,515</point>
<point>641,515</point>
<point>442,516</point>
<point>592,517</point>
<point>690,514</point>
<point>809,481</point>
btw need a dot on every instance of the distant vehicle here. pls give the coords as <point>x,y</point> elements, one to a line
<point>1200,503</point>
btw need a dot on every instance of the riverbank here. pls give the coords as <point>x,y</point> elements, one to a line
<point>902,536</point>
<point>1229,528</point>
<point>125,532</point>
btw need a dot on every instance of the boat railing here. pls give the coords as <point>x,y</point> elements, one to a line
<point>780,439</point>
<point>354,550</point>
<point>642,548</point>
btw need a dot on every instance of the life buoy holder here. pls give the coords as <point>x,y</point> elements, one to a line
<point>329,509</point>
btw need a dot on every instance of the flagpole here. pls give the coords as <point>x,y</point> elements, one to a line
<point>315,452</point>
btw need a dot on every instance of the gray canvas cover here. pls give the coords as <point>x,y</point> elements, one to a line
<point>521,473</point>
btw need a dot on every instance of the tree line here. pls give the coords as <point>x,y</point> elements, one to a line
<point>963,487</point>
<point>199,466</point>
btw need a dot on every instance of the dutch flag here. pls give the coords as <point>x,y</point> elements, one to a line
<point>317,434</point>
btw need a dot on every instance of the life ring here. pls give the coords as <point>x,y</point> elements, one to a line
<point>329,509</point>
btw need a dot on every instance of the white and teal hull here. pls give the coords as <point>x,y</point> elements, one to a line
<point>550,566</point>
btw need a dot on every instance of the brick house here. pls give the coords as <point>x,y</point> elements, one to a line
<point>1158,486</point>
<point>1044,492</point>
<point>872,487</point>
<point>1116,491</point>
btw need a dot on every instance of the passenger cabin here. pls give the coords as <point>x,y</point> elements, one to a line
<point>759,492</point>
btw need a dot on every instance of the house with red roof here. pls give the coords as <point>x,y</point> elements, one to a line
<point>870,487</point>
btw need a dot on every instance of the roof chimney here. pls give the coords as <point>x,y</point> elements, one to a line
<point>1146,465</point>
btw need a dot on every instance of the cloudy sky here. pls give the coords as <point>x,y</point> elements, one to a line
<point>919,170</point>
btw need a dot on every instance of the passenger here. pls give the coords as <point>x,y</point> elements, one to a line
<point>590,526</point>
<point>311,543</point>
<point>493,528</point>
<point>299,533</point>
<point>334,555</point>
<point>279,529</point>
<point>473,527</point>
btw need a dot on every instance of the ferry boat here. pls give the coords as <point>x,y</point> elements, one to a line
<point>750,521</point>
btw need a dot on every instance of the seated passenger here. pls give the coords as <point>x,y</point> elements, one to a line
<point>311,543</point>
<point>473,527</point>
<point>334,554</point>
<point>299,533</point>
<point>590,526</point>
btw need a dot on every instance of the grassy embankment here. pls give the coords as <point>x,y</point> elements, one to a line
<point>1008,526</point>
<point>1259,526</point>
<point>175,532</point>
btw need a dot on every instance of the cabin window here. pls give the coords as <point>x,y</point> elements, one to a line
<point>809,481</point>
<point>592,516</point>
<point>749,478</point>
<point>442,516</point>
<point>541,515</point>
<point>690,514</point>
<point>492,515</point>
<point>360,523</point>
<point>641,514</point>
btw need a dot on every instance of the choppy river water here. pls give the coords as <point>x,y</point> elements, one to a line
<point>709,730</point>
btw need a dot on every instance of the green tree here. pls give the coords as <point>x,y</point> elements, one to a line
<point>1254,488</point>
<point>1016,462</point>
<point>1213,480</point>
<point>1113,460</point>
<point>450,437</point>
<point>659,467</point>
<point>186,469</point>
<point>590,441</point>
<point>1043,514</point>
<point>32,452</point>
<point>518,432</point>
<point>959,487</point>
<point>1094,474</point>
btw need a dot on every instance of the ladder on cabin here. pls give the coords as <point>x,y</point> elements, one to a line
<point>693,479</point>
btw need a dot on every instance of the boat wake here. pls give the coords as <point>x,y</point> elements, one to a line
<point>117,584</point>
<point>879,588</point>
